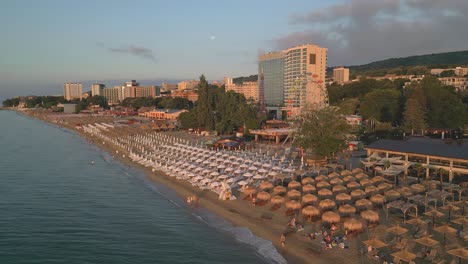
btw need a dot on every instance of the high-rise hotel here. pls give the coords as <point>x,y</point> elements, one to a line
<point>294,78</point>
<point>72,91</point>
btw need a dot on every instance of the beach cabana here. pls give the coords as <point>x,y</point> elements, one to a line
<point>403,206</point>
<point>331,217</point>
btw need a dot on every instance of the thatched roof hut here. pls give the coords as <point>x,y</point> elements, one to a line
<point>361,176</point>
<point>365,182</point>
<point>345,172</point>
<point>324,193</point>
<point>349,178</point>
<point>377,199</point>
<point>356,194</point>
<point>357,170</point>
<point>336,181</point>
<point>385,186</point>
<point>343,197</point>
<point>294,194</point>
<point>266,185</point>
<point>279,190</point>
<point>377,180</point>
<point>333,175</point>
<point>370,190</point>
<point>250,190</point>
<point>322,184</point>
<point>392,195</point>
<point>293,204</point>
<point>307,180</point>
<point>339,189</point>
<point>353,185</point>
<point>321,178</point>
<point>363,203</point>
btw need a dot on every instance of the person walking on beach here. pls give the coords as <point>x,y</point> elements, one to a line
<point>282,240</point>
<point>189,201</point>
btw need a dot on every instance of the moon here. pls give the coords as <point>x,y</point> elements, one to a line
<point>212,37</point>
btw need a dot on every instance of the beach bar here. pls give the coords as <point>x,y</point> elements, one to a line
<point>277,133</point>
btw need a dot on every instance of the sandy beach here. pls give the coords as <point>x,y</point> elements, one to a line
<point>240,212</point>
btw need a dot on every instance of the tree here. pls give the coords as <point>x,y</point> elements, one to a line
<point>383,105</point>
<point>323,131</point>
<point>447,73</point>
<point>415,113</point>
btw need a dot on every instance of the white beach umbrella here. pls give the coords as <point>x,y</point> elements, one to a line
<point>215,184</point>
<point>262,170</point>
<point>221,167</point>
<point>258,177</point>
<point>276,168</point>
<point>198,178</point>
<point>229,169</point>
<point>230,180</point>
<point>257,163</point>
<point>248,175</point>
<point>237,171</point>
<point>273,173</point>
<point>214,174</point>
<point>223,177</point>
<point>243,166</point>
<point>253,168</point>
<point>242,183</point>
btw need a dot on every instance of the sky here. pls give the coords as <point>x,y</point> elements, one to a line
<point>49,42</point>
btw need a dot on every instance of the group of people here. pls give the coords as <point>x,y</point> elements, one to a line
<point>192,201</point>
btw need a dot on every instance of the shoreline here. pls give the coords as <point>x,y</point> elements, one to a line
<point>239,213</point>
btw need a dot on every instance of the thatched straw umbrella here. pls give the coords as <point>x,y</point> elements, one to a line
<point>336,181</point>
<point>345,172</point>
<point>325,193</point>
<point>370,216</point>
<point>250,190</point>
<point>330,217</point>
<point>356,170</point>
<point>353,185</point>
<point>384,186</point>
<point>361,176</point>
<point>266,185</point>
<point>308,188</point>
<point>347,209</point>
<point>392,195</point>
<point>307,180</point>
<point>322,184</point>
<point>339,189</point>
<point>279,190</point>
<point>333,175</point>
<point>264,196</point>
<point>293,205</point>
<point>277,200</point>
<point>321,178</point>
<point>294,185</point>
<point>343,197</point>
<point>310,211</point>
<point>363,203</point>
<point>370,190</point>
<point>418,188</point>
<point>327,204</point>
<point>377,199</point>
<point>377,180</point>
<point>365,182</point>
<point>294,194</point>
<point>356,194</point>
<point>349,178</point>
<point>309,198</point>
<point>353,225</point>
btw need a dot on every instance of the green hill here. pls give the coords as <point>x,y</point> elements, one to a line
<point>403,65</point>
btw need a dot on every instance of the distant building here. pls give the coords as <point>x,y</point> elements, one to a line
<point>228,81</point>
<point>112,94</point>
<point>167,87</point>
<point>353,120</point>
<point>189,95</point>
<point>96,89</point>
<point>72,91</point>
<point>459,83</point>
<point>459,71</point>
<point>70,108</point>
<point>187,85</point>
<point>172,114</point>
<point>271,77</point>
<point>248,89</point>
<point>341,75</point>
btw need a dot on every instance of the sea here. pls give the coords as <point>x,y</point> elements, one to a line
<point>58,207</point>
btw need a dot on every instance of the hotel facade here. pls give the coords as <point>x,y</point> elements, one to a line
<point>72,91</point>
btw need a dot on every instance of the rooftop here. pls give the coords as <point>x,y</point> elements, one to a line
<point>424,146</point>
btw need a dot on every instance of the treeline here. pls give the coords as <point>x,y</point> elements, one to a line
<point>426,104</point>
<point>240,80</point>
<point>221,111</point>
<point>160,103</point>
<point>35,101</point>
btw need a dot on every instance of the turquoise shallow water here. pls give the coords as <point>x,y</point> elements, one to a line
<point>57,208</point>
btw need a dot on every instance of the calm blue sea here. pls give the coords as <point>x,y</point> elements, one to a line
<point>57,208</point>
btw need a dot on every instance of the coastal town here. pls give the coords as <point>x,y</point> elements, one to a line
<point>397,199</point>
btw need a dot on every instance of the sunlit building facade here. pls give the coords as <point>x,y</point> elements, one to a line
<point>271,78</point>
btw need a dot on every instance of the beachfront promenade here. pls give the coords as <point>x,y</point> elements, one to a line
<point>370,213</point>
